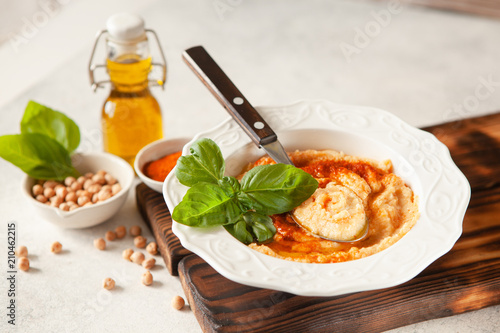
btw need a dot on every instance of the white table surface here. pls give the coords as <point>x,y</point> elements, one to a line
<point>425,66</point>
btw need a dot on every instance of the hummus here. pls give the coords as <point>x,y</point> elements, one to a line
<point>351,191</point>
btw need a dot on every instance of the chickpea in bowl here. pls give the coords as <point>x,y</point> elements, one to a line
<point>87,201</point>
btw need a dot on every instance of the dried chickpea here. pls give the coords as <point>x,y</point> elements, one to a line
<point>55,201</point>
<point>76,186</point>
<point>178,302</point>
<point>135,230</point>
<point>110,235</point>
<point>56,247</point>
<point>100,243</point>
<point>49,192</point>
<point>69,180</point>
<point>22,251</point>
<point>82,200</point>
<point>140,242</point>
<point>49,184</point>
<point>95,198</point>
<point>64,206</point>
<point>88,183</point>
<point>41,198</point>
<point>127,253</point>
<point>147,278</point>
<point>106,188</point>
<point>120,231</point>
<point>71,196</point>
<point>110,179</point>
<point>89,175</point>
<point>23,264</point>
<point>62,192</point>
<point>99,179</point>
<point>152,248</point>
<point>101,173</point>
<point>116,188</point>
<point>72,206</point>
<point>94,188</point>
<point>37,190</point>
<point>81,180</point>
<point>103,195</point>
<point>108,283</point>
<point>137,257</point>
<point>88,204</point>
<point>149,263</point>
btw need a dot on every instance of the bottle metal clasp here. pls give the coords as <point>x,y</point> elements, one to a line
<point>93,67</point>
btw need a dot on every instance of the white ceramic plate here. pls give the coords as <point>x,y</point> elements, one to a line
<point>418,158</point>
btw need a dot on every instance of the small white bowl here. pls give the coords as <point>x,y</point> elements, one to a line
<point>154,151</point>
<point>84,217</point>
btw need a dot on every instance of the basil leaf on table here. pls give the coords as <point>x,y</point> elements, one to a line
<point>37,155</point>
<point>206,205</point>
<point>205,164</point>
<point>56,125</point>
<point>275,189</point>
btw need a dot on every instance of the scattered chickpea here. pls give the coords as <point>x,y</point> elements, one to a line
<point>147,278</point>
<point>178,302</point>
<point>23,264</point>
<point>135,230</point>
<point>140,242</point>
<point>37,190</point>
<point>41,198</point>
<point>100,244</point>
<point>137,257</point>
<point>69,180</point>
<point>56,247</point>
<point>108,283</point>
<point>152,248</point>
<point>110,235</point>
<point>149,263</point>
<point>127,253</point>
<point>120,231</point>
<point>22,251</point>
<point>49,192</point>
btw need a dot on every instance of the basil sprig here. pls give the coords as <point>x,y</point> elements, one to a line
<point>43,148</point>
<point>242,208</point>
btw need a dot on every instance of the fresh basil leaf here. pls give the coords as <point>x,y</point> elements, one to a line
<point>275,189</point>
<point>56,125</point>
<point>37,155</point>
<point>262,225</point>
<point>230,185</point>
<point>205,164</point>
<point>206,205</point>
<point>239,230</point>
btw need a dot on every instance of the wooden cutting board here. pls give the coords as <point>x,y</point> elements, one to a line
<point>466,278</point>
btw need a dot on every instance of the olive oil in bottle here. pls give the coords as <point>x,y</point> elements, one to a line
<point>131,116</point>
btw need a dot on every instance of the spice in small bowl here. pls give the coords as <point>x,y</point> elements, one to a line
<point>155,161</point>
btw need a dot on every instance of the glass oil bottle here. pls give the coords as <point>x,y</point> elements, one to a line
<point>131,116</point>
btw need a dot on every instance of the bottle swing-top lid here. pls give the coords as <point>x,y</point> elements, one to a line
<point>125,28</point>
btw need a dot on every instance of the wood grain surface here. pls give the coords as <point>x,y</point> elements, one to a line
<point>466,278</point>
